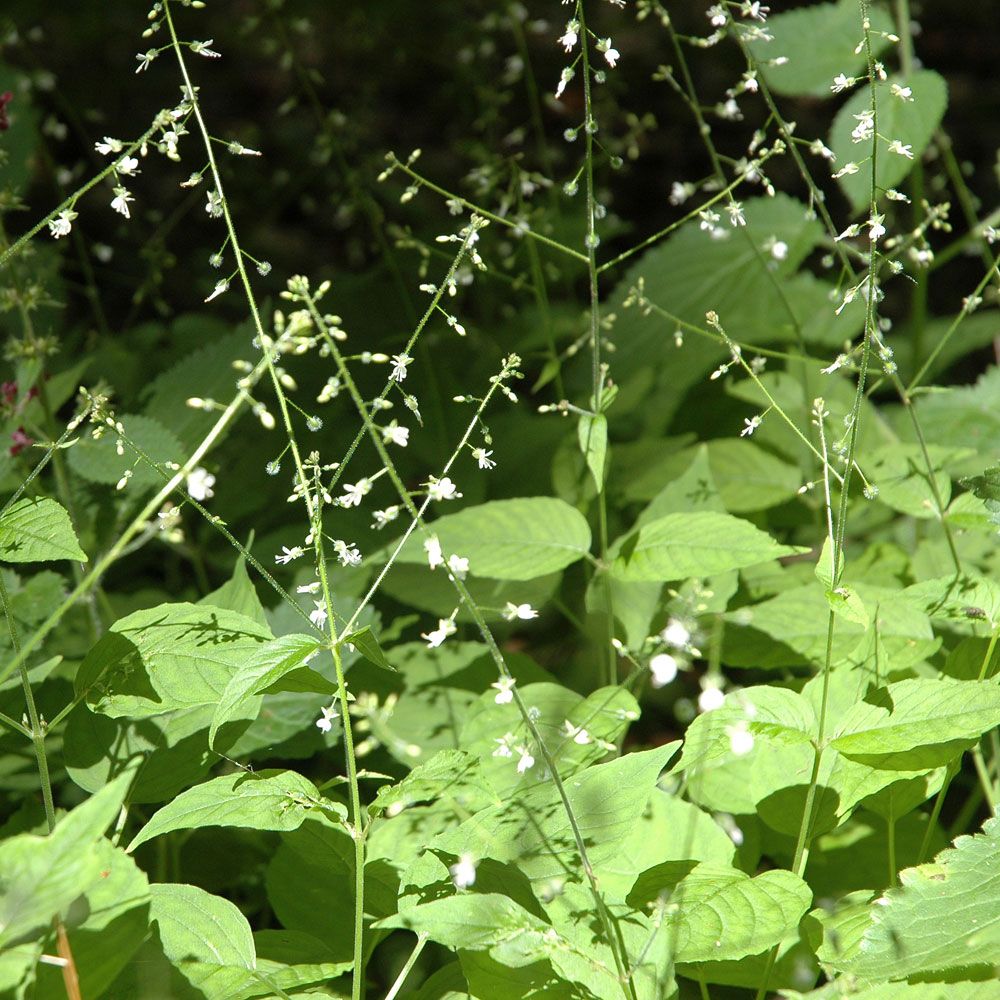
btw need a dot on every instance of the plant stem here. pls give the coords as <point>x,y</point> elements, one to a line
<point>405,970</point>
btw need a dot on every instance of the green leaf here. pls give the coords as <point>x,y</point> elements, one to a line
<point>264,669</point>
<point>41,876</point>
<point>700,543</point>
<point>100,462</point>
<point>510,539</point>
<point>593,436</point>
<point>366,643</point>
<point>912,122</point>
<point>534,833</point>
<point>255,800</point>
<point>904,484</point>
<point>819,42</point>
<point>920,722</point>
<point>942,917</point>
<point>37,529</point>
<point>169,657</point>
<point>238,594</point>
<point>719,913</point>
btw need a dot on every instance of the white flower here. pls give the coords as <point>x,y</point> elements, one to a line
<point>751,425</point>
<point>903,93</point>
<point>214,203</point>
<point>220,288</point>
<point>200,483</point>
<point>128,165</point>
<point>842,82</point>
<point>564,78</point>
<point>445,628</point>
<point>393,433</point>
<point>505,690</point>
<point>325,721</point>
<point>458,566</point>
<point>463,873</point>
<point>779,250</point>
<point>865,128</point>
<point>432,547</point>
<point>62,223</point>
<point>202,49</point>
<point>676,634</point>
<point>736,216</point>
<point>145,58</point>
<point>525,761</point>
<point>108,145</point>
<point>503,745</point>
<point>383,517</point>
<point>308,588</point>
<point>716,15</point>
<point>347,552</point>
<point>663,667</point>
<point>319,616</point>
<point>710,698</point>
<point>441,489</point>
<point>875,227</point>
<point>578,733</point>
<point>897,147</point>
<point>525,612</point>
<point>612,56</point>
<point>482,456</point>
<point>399,363</point>
<point>846,170</point>
<point>288,554</point>
<point>572,36</point>
<point>740,739</point>
<point>120,202</point>
<point>354,493</point>
<point>851,231</point>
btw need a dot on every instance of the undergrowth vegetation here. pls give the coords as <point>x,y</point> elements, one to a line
<point>554,556</point>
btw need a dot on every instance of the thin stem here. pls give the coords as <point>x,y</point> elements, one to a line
<point>405,970</point>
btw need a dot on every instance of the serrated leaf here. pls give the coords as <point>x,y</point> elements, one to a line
<point>719,913</point>
<point>37,529</point>
<point>700,543</point>
<point>943,916</point>
<point>99,461</point>
<point>264,669</point>
<point>918,722</point>
<point>517,539</point>
<point>904,483</point>
<point>169,657</point>
<point>592,432</point>
<point>911,121</point>
<point>966,598</point>
<point>818,43</point>
<point>255,800</point>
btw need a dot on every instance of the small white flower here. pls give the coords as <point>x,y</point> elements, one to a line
<point>128,165</point>
<point>108,145</point>
<point>578,733</point>
<point>903,93</point>
<point>62,224</point>
<point>850,232</point>
<point>319,616</point>
<point>308,588</point>
<point>120,202</point>
<point>288,554</point>
<point>325,721</point>
<point>525,761</point>
<point>202,49</point>
<point>482,456</point>
<point>354,493</point>
<point>504,689</point>
<point>564,78</point>
<point>399,363</point>
<point>663,667</point>
<point>676,634</point>
<point>716,15</point>
<point>842,82</point>
<point>200,483</point>
<point>875,227</point>
<point>779,250</point>
<point>435,557</point>
<point>865,128</point>
<point>384,517</point>
<point>347,553</point>
<point>145,58</point>
<point>463,873</point>
<point>611,56</point>
<point>458,566</point>
<point>503,745</point>
<point>846,170</point>
<point>736,216</point>
<point>751,425</point>
<point>902,150</point>
<point>524,612</point>
<point>445,628</point>
<point>710,698</point>
<point>740,739</point>
<point>393,433</point>
<point>441,489</point>
<point>571,36</point>
<point>213,205</point>
<point>220,288</point>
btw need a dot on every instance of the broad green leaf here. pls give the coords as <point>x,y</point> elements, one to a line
<point>170,657</point>
<point>37,529</point>
<point>702,543</point>
<point>105,930</point>
<point>943,916</point>
<point>718,913</point>
<point>263,668</point>
<point>367,644</point>
<point>100,462</point>
<point>533,832</point>
<point>41,876</point>
<point>448,771</point>
<point>904,483</point>
<point>911,121</point>
<point>255,800</point>
<point>206,937</point>
<point>592,432</point>
<point>968,598</point>
<point>819,42</point>
<point>846,604</point>
<point>238,594</point>
<point>510,539</point>
<point>918,722</point>
<point>475,921</point>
